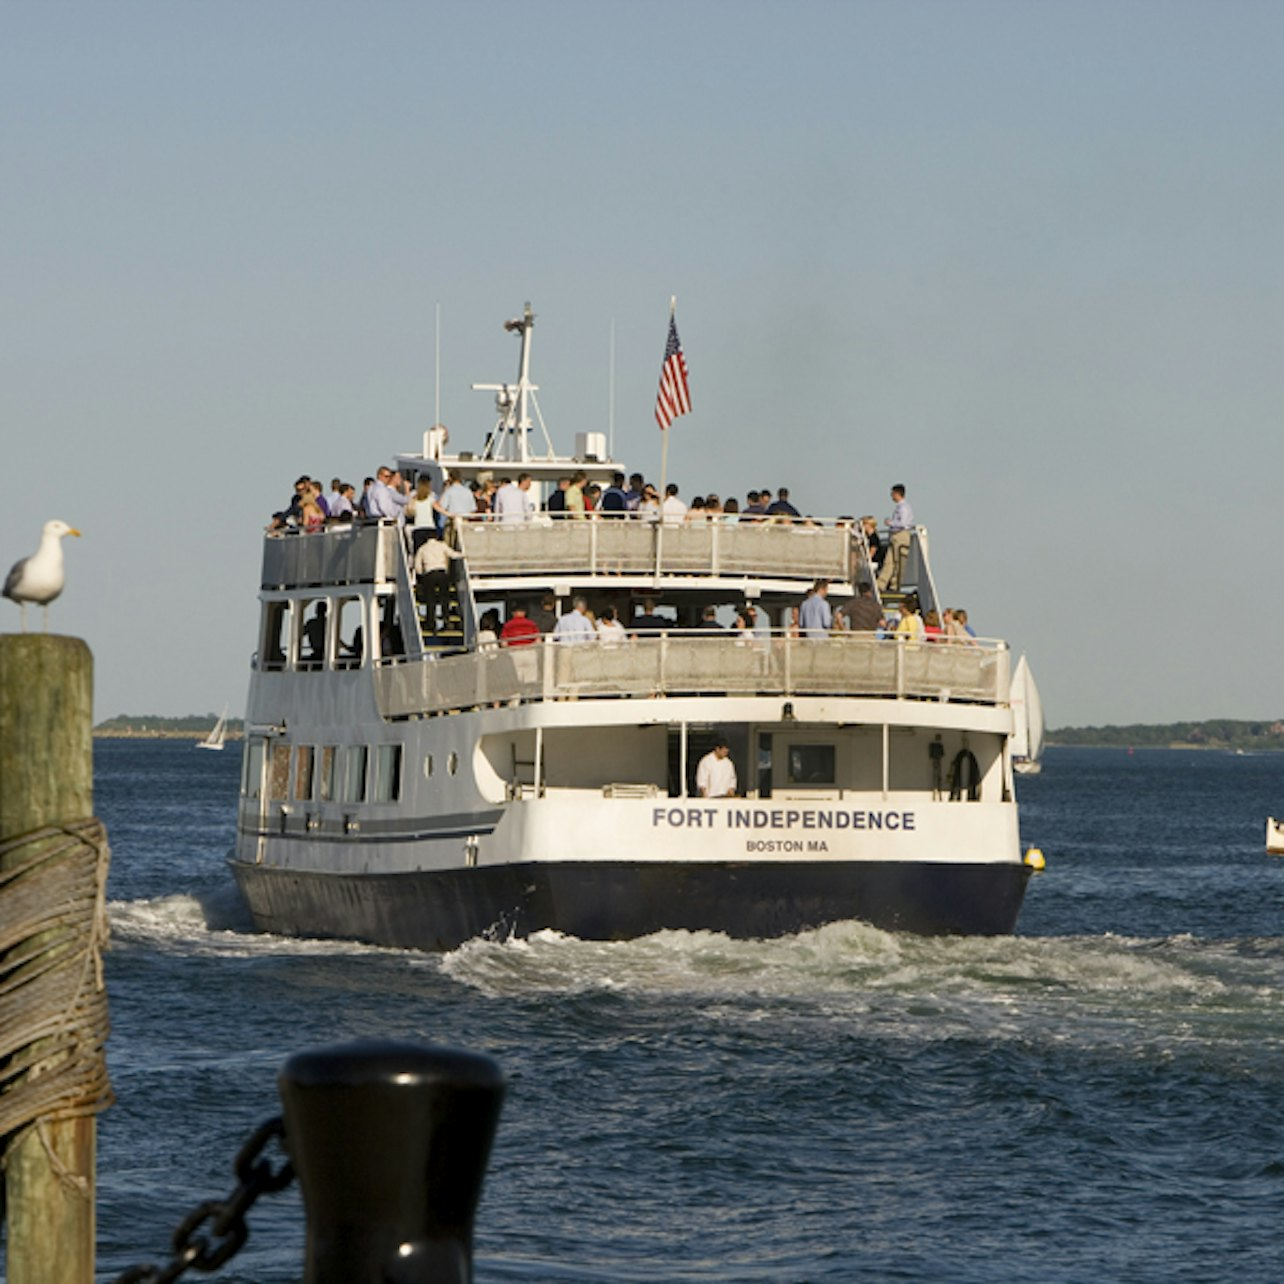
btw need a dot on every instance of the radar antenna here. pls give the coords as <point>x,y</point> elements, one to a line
<point>509,440</point>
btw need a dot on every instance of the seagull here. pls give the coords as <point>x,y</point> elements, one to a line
<point>39,578</point>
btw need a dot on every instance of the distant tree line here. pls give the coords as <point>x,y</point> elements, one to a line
<point>138,724</point>
<point>1214,733</point>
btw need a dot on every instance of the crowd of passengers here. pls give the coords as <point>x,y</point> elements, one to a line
<point>811,618</point>
<point>425,515</point>
<point>388,495</point>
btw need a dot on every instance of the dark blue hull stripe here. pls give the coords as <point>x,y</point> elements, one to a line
<point>620,900</point>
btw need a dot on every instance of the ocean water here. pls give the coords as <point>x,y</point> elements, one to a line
<point>1099,1097</point>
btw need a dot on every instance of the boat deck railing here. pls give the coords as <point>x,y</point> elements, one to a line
<point>542,547</point>
<point>543,550</point>
<point>675,664</point>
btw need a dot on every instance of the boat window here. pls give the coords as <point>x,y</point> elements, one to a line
<point>252,770</point>
<point>350,644</point>
<point>312,636</point>
<point>325,782</point>
<point>276,634</point>
<point>391,640</point>
<point>428,766</point>
<point>452,762</point>
<point>812,765</point>
<point>354,776</point>
<point>387,774</point>
<point>279,777</point>
<point>303,760</point>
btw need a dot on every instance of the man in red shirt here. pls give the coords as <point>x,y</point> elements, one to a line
<point>518,630</point>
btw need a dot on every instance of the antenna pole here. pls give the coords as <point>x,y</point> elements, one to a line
<point>610,398</point>
<point>436,407</point>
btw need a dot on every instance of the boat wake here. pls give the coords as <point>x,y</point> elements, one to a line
<point>216,924</point>
<point>1106,989</point>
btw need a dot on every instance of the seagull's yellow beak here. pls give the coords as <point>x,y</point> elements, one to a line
<point>73,531</point>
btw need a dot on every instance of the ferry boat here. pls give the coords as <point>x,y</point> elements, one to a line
<point>408,781</point>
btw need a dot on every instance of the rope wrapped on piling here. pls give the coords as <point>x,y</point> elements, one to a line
<point>53,1001</point>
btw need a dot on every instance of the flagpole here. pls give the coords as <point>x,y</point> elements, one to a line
<point>664,465</point>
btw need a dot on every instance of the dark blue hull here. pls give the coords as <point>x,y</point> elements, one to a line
<point>621,900</point>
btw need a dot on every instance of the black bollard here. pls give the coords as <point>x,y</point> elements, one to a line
<point>390,1141</point>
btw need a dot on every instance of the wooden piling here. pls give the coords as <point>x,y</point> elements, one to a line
<point>46,778</point>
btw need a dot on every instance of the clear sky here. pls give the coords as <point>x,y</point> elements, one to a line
<point>1027,258</point>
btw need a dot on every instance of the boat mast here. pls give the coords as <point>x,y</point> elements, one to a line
<point>509,439</point>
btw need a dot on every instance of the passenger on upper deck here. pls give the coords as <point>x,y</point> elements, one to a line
<point>313,517</point>
<point>649,507</point>
<point>615,503</point>
<point>814,615</point>
<point>636,491</point>
<point>899,526</point>
<point>874,542</point>
<point>864,614</point>
<point>432,571</point>
<point>512,500</point>
<point>388,497</point>
<point>755,508</point>
<point>457,500</point>
<point>339,501</point>
<point>556,505</point>
<point>575,496</point>
<point>314,490</point>
<point>484,494</point>
<point>696,512</point>
<point>421,513</point>
<point>709,618</point>
<point>782,510</point>
<point>673,509</point>
<point>363,504</point>
<point>911,623</point>
<point>731,509</point>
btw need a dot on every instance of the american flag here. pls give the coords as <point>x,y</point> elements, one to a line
<point>674,397</point>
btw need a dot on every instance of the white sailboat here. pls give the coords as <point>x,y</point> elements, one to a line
<point>1274,836</point>
<point>1027,717</point>
<point>217,735</point>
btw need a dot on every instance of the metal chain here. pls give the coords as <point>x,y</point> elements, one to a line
<point>227,1228</point>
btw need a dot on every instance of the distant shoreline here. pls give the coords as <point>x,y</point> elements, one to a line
<point>126,733</point>
<point>1219,734</point>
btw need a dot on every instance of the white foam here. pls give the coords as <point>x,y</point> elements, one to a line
<point>187,925</point>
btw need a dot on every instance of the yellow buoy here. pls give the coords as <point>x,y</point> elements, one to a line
<point>1034,858</point>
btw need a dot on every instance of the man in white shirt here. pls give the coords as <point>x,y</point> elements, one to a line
<point>900,526</point>
<point>512,503</point>
<point>575,627</point>
<point>457,499</point>
<point>388,496</point>
<point>674,511</point>
<point>716,774</point>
